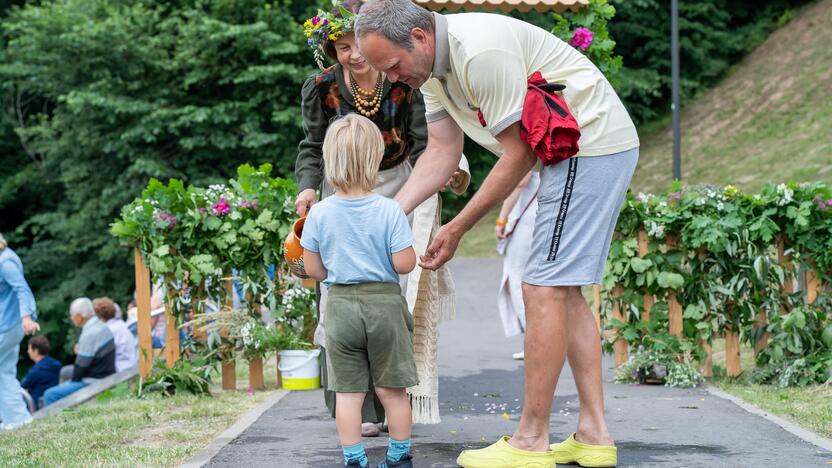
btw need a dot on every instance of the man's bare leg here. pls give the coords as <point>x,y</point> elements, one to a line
<point>545,348</point>
<point>585,360</point>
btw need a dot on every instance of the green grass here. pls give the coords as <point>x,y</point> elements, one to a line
<point>768,120</point>
<point>126,431</point>
<point>479,242</point>
<point>809,407</point>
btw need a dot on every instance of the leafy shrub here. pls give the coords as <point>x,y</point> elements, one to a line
<point>799,351</point>
<point>184,378</point>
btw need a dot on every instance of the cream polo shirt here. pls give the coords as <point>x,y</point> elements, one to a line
<point>483,62</point>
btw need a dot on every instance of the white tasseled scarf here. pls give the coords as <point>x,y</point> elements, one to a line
<point>431,300</point>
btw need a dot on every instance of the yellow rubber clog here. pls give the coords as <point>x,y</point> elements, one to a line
<point>502,455</point>
<point>590,456</point>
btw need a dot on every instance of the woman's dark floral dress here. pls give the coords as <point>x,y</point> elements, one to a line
<point>401,120</point>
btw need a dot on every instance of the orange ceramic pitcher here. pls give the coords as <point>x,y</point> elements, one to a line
<point>293,251</point>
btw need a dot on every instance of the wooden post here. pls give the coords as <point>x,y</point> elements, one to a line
<point>229,375</point>
<point>643,250</point>
<point>675,318</point>
<point>620,347</point>
<point>198,332</point>
<point>229,368</point>
<point>171,330</point>
<point>255,374</point>
<point>279,375</point>
<point>732,353</point>
<point>788,286</point>
<point>708,365</point>
<point>229,288</point>
<point>596,306</point>
<point>760,323</point>
<point>143,307</point>
<point>813,285</point>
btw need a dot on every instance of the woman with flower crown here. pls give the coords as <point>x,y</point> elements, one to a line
<point>352,86</point>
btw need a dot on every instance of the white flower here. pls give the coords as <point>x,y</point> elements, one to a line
<point>720,206</point>
<point>786,195</point>
<point>644,197</point>
<point>655,229</point>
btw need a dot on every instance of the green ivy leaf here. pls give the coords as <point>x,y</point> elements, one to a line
<point>212,223</point>
<point>670,280</point>
<point>640,265</point>
<point>826,336</point>
<point>694,311</point>
<point>161,251</point>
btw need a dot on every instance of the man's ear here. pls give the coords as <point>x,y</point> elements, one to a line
<point>419,36</point>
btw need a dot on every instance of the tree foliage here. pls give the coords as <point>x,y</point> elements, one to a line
<point>104,95</point>
<point>98,96</point>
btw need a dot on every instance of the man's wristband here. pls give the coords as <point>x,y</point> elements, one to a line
<point>501,222</point>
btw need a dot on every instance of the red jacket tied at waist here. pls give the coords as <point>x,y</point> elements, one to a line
<point>546,124</point>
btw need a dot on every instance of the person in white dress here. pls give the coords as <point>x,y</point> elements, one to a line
<point>513,230</point>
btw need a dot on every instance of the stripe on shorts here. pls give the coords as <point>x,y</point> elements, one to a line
<point>564,208</point>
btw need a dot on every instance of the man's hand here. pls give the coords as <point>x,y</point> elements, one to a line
<point>305,200</point>
<point>442,249</point>
<point>453,180</point>
<point>30,327</point>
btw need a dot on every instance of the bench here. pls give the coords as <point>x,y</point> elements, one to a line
<point>88,393</point>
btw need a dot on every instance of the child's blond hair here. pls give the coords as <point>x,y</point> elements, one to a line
<point>353,148</point>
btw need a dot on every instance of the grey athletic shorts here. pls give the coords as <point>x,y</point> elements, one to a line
<point>578,204</point>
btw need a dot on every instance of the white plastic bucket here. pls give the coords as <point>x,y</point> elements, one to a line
<point>300,369</point>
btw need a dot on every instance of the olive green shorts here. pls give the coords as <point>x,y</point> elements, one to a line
<point>369,335</point>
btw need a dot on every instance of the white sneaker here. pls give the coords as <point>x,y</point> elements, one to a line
<point>519,356</point>
<point>13,426</point>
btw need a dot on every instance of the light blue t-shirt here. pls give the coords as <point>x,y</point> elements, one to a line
<point>357,238</point>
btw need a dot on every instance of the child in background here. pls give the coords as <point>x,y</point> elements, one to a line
<point>44,374</point>
<point>357,243</point>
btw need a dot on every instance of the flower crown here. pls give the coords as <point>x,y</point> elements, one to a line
<point>327,27</point>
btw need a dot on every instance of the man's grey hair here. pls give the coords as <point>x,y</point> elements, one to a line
<point>3,243</point>
<point>393,19</point>
<point>83,307</point>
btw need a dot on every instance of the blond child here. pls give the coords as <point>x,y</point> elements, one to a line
<point>357,243</point>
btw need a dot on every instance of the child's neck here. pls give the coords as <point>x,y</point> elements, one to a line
<point>352,193</point>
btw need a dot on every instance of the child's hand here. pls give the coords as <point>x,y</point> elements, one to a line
<point>500,231</point>
<point>305,200</point>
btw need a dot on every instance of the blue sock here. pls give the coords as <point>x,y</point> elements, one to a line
<point>356,452</point>
<point>396,449</point>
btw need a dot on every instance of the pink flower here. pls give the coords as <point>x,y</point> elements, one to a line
<point>582,38</point>
<point>221,207</point>
<point>251,205</point>
<point>202,210</point>
<point>315,21</point>
<point>165,219</point>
